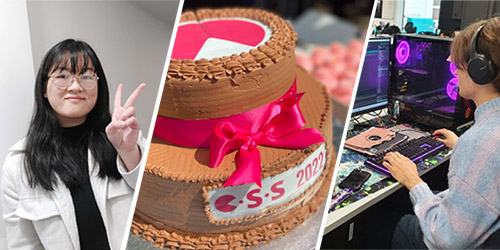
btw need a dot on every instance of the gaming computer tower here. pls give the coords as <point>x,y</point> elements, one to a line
<point>425,83</point>
<point>419,80</point>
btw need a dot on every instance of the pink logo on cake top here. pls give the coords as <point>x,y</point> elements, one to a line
<point>212,38</point>
<point>249,199</point>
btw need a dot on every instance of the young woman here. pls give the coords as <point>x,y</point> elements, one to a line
<point>69,183</point>
<point>467,214</point>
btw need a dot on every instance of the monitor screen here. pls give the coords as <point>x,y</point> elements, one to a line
<point>422,77</point>
<point>374,79</point>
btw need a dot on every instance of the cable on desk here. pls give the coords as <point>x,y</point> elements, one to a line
<point>354,120</point>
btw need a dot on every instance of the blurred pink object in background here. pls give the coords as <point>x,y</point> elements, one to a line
<point>304,61</point>
<point>336,67</point>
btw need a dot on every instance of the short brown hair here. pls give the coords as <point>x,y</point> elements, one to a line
<point>488,44</point>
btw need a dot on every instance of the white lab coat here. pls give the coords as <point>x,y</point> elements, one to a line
<point>38,219</point>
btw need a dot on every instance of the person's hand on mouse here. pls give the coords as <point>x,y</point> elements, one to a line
<point>402,169</point>
<point>446,136</point>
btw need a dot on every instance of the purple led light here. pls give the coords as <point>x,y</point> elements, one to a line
<point>453,68</point>
<point>403,52</point>
<point>452,88</point>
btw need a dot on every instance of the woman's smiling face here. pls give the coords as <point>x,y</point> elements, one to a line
<point>71,104</point>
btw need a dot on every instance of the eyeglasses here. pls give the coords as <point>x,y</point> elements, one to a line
<point>63,80</point>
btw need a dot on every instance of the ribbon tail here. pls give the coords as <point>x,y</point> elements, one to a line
<point>248,168</point>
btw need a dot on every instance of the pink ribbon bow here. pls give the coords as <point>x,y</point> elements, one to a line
<point>281,128</point>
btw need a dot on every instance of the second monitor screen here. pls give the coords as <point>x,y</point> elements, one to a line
<point>374,80</point>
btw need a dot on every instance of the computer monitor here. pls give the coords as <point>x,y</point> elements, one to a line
<point>425,84</point>
<point>374,81</point>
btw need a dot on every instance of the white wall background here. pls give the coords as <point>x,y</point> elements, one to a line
<point>418,8</point>
<point>17,79</point>
<point>392,12</point>
<point>131,39</point>
<point>131,43</point>
<point>397,11</point>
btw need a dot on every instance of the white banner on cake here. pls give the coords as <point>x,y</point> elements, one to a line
<point>249,199</point>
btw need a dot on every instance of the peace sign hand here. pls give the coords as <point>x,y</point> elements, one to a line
<point>124,128</point>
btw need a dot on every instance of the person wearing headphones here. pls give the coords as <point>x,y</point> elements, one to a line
<point>467,214</point>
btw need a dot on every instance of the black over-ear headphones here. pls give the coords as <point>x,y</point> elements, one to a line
<point>480,68</point>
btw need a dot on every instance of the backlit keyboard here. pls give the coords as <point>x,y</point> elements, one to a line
<point>415,149</point>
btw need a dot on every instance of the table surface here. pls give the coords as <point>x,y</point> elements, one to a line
<point>378,185</point>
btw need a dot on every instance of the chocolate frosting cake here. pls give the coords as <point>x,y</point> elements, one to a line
<point>185,202</point>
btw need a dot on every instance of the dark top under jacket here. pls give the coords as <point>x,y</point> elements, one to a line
<point>91,229</point>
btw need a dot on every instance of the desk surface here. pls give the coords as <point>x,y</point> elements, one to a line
<point>377,187</point>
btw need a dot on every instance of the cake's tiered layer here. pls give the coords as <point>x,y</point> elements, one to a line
<point>231,84</point>
<point>172,199</point>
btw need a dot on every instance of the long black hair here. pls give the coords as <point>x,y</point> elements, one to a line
<point>46,155</point>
